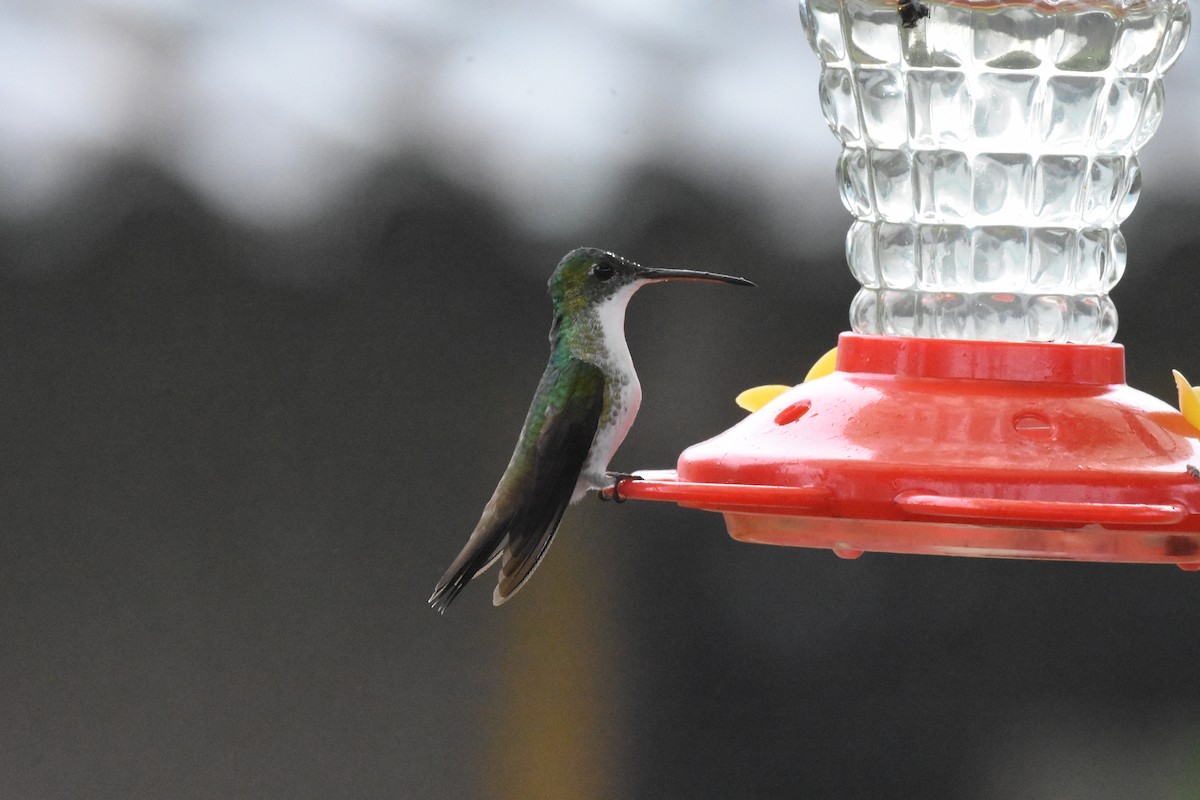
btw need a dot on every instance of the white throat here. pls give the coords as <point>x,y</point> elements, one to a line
<point>610,319</point>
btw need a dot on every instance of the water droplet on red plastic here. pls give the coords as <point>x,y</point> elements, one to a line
<point>849,553</point>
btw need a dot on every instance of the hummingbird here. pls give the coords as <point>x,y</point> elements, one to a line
<point>580,414</point>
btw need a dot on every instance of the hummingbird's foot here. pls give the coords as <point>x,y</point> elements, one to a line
<point>613,491</point>
<point>1195,473</point>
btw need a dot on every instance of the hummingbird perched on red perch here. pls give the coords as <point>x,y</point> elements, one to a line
<point>583,407</point>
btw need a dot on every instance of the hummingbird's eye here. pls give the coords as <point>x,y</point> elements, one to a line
<point>602,271</point>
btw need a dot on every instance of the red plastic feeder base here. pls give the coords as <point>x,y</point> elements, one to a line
<point>947,447</point>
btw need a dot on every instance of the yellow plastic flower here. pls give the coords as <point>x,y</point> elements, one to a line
<point>823,367</point>
<point>754,399</point>
<point>1189,403</point>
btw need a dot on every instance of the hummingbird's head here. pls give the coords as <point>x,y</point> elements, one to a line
<point>590,278</point>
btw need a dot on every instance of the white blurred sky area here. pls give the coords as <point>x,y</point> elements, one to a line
<point>273,109</point>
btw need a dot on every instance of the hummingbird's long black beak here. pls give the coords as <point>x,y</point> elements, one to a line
<point>690,275</point>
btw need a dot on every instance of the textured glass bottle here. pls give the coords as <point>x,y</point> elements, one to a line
<point>989,155</point>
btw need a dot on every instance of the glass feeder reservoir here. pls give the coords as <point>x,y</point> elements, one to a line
<point>989,155</point>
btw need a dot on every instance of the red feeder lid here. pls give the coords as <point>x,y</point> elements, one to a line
<point>951,447</point>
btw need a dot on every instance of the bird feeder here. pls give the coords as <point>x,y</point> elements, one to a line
<point>979,407</point>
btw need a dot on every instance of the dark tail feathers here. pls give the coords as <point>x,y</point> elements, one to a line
<point>468,565</point>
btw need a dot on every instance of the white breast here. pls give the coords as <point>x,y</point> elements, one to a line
<point>625,393</point>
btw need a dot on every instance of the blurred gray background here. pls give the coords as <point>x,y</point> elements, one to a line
<point>272,307</point>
